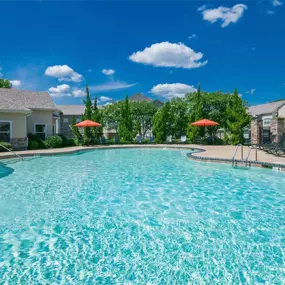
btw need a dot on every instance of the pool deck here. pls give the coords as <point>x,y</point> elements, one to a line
<point>208,153</point>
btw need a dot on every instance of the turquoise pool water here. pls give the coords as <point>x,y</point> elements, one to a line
<point>140,216</point>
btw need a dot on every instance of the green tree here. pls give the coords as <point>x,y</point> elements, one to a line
<point>162,123</point>
<point>88,138</point>
<point>142,115</point>
<point>237,118</point>
<point>126,124</point>
<point>97,116</point>
<point>112,116</point>
<point>5,83</point>
<point>74,129</point>
<point>179,116</point>
<point>196,113</point>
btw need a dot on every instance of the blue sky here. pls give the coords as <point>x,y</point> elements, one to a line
<point>161,49</point>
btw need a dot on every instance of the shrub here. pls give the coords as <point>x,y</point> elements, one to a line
<point>33,144</point>
<point>41,144</point>
<point>70,142</point>
<point>145,141</point>
<point>5,144</point>
<point>54,142</point>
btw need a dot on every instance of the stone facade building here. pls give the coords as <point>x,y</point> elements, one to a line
<point>267,124</point>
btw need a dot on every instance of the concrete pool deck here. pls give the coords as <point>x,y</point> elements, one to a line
<point>208,153</point>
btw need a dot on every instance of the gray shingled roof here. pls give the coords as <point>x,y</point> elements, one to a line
<point>72,110</point>
<point>24,100</point>
<point>267,108</point>
<point>139,98</point>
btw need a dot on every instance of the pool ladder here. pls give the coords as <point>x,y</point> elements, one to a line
<point>17,155</point>
<point>235,162</point>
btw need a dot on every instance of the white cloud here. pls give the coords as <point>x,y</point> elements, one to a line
<point>277,3</point>
<point>251,91</point>
<point>108,71</point>
<point>63,73</point>
<point>169,55</point>
<point>192,36</point>
<point>270,12</point>
<point>16,83</point>
<point>109,86</point>
<point>1,74</point>
<point>60,91</point>
<point>173,90</point>
<point>201,8</point>
<point>89,70</point>
<point>78,93</point>
<point>105,99</point>
<point>226,15</point>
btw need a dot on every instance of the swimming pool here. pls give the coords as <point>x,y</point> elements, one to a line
<point>140,216</point>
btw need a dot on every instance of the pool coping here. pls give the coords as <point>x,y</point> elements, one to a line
<point>191,155</point>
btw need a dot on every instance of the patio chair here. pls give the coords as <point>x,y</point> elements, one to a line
<point>117,139</point>
<point>138,139</point>
<point>102,140</point>
<point>151,139</point>
<point>183,139</point>
<point>169,139</point>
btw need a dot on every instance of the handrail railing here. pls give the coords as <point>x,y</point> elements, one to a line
<point>248,154</point>
<point>234,155</point>
<point>20,157</point>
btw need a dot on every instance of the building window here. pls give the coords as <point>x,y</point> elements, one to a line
<point>5,131</point>
<point>266,122</point>
<point>40,131</point>
<point>78,120</point>
<point>65,120</point>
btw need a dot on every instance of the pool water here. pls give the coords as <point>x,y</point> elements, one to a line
<point>140,216</point>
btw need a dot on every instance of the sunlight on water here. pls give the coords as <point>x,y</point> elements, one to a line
<point>140,216</point>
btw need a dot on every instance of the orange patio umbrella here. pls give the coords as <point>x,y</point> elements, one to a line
<point>205,123</point>
<point>88,123</point>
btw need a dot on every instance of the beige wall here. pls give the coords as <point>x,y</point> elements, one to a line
<point>40,117</point>
<point>281,112</point>
<point>18,120</point>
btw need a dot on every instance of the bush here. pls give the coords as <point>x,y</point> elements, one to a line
<point>145,141</point>
<point>33,137</point>
<point>5,144</point>
<point>70,142</point>
<point>54,142</point>
<point>33,145</point>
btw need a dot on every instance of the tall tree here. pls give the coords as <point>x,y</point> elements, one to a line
<point>5,83</point>
<point>142,115</point>
<point>126,125</point>
<point>162,123</point>
<point>97,116</point>
<point>88,116</point>
<point>196,113</point>
<point>237,118</point>
<point>74,129</point>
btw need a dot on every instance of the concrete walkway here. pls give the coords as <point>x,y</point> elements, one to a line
<point>211,152</point>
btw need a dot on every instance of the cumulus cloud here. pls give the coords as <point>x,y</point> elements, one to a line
<point>226,15</point>
<point>60,91</point>
<point>63,73</point>
<point>270,12</point>
<point>174,90</point>
<point>78,93</point>
<point>168,54</point>
<point>1,74</point>
<point>109,86</point>
<point>277,3</point>
<point>105,99</point>
<point>16,83</point>
<point>108,71</point>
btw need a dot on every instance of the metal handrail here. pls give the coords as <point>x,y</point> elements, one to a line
<point>236,151</point>
<point>248,154</point>
<point>20,157</point>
